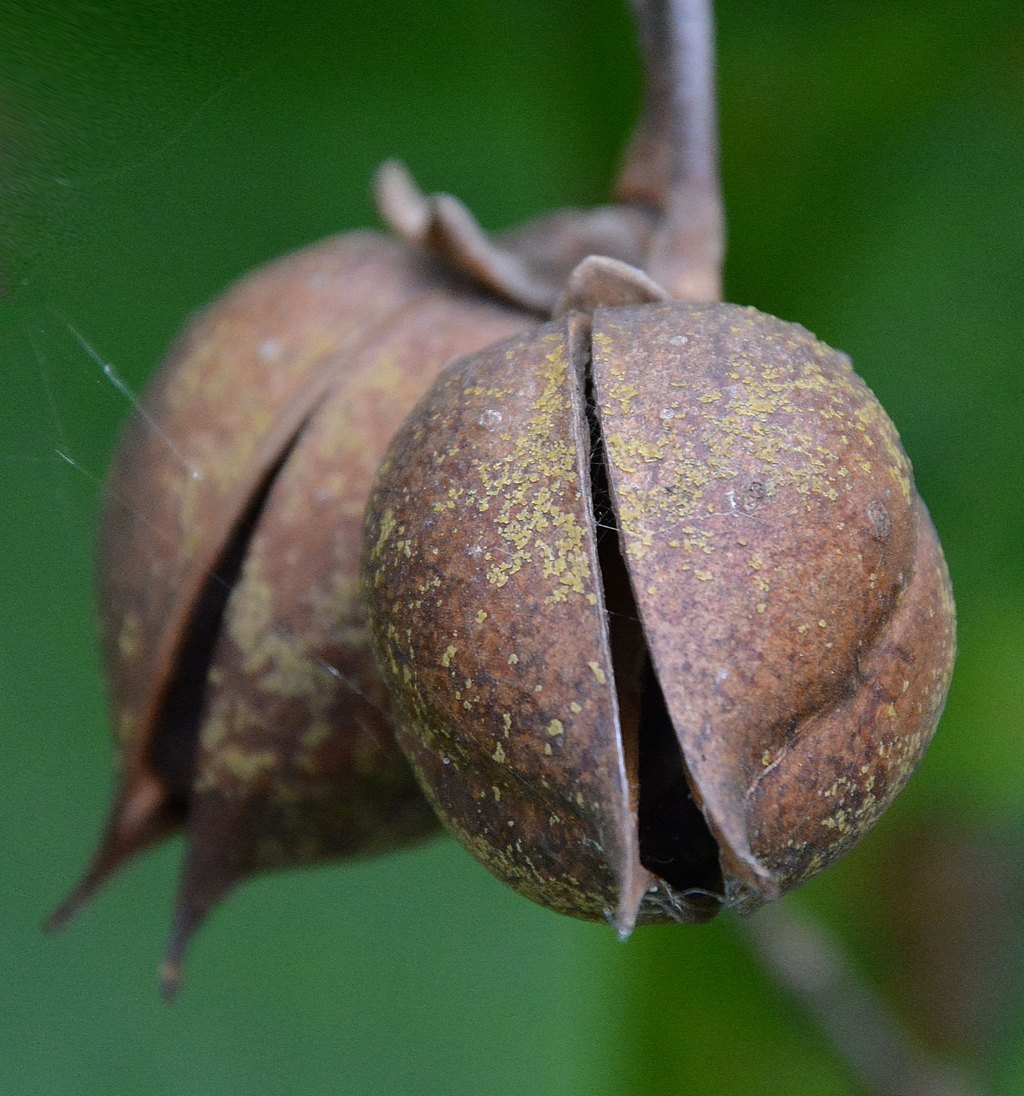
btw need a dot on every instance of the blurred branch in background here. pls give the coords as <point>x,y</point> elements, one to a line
<point>807,961</point>
<point>943,908</point>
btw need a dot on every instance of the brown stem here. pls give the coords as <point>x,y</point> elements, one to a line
<point>809,964</point>
<point>672,161</point>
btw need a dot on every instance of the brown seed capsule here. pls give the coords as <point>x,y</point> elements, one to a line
<point>667,623</point>
<point>247,707</point>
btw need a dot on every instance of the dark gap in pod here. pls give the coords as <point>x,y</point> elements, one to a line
<point>174,745</point>
<point>676,844</point>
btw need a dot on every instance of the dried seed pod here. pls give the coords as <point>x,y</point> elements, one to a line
<point>247,704</point>
<point>667,623</point>
<point>247,707</point>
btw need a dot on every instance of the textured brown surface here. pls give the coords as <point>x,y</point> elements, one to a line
<point>792,596</point>
<point>792,593</point>
<point>214,422</point>
<point>482,571</point>
<point>331,346</point>
<point>297,759</point>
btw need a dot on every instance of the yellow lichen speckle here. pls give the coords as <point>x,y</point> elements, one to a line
<point>387,527</point>
<point>532,490</point>
<point>129,636</point>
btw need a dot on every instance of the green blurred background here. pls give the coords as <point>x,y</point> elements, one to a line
<point>873,160</point>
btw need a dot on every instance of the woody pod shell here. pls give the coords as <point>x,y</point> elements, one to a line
<point>246,705</point>
<point>667,624</point>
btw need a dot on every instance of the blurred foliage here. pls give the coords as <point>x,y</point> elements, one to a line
<point>873,158</point>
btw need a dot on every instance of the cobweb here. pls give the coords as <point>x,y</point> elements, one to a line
<point>150,155</point>
<point>95,109</point>
<point>144,151</point>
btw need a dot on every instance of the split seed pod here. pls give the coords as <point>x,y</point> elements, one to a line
<point>667,623</point>
<point>247,706</point>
